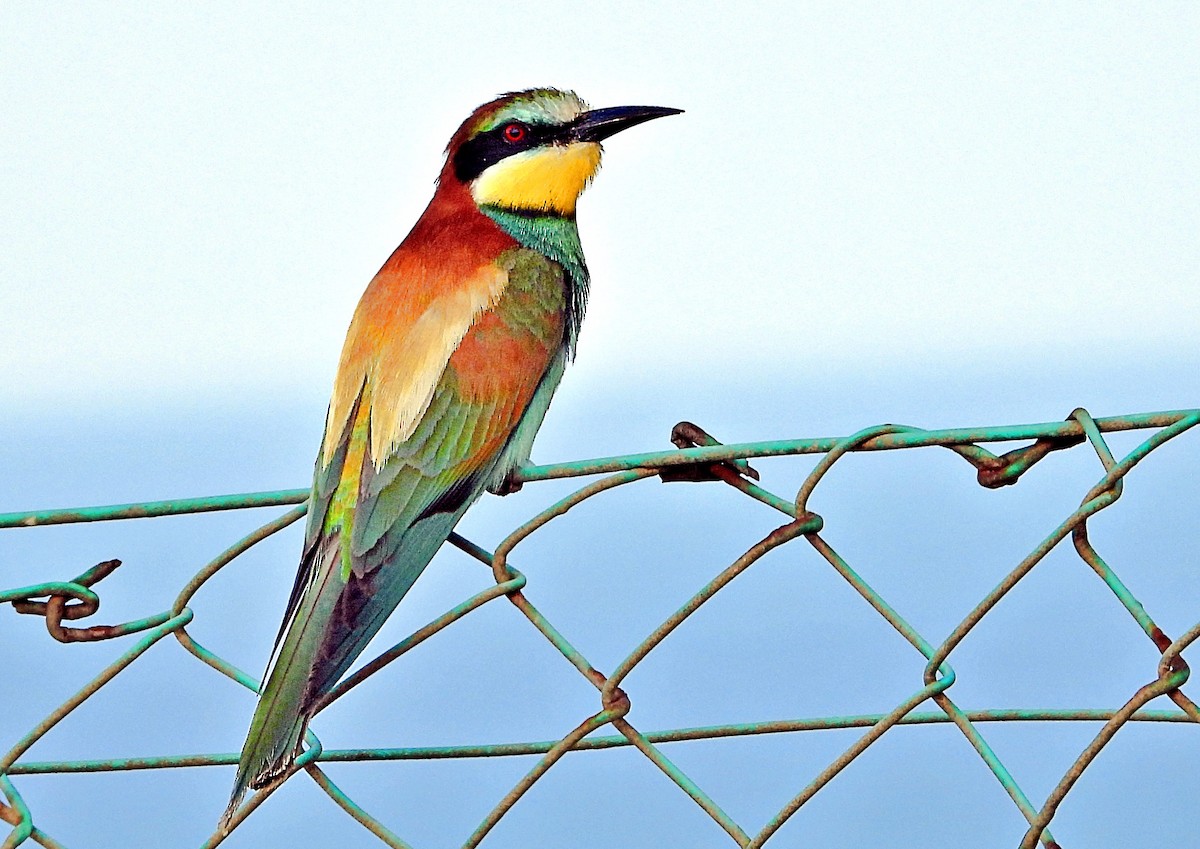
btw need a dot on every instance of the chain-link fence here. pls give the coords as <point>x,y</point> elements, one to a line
<point>697,458</point>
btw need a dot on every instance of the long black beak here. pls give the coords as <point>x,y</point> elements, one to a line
<point>599,124</point>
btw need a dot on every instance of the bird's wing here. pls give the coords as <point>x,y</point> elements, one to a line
<point>403,507</point>
<point>375,525</point>
<point>407,325</point>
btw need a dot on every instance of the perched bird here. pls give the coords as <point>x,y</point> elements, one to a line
<point>447,371</point>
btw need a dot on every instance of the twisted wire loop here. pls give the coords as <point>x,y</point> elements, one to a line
<point>698,457</point>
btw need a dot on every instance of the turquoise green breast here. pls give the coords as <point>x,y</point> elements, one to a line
<point>557,239</point>
<point>535,298</point>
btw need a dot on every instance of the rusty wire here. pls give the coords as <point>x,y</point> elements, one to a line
<point>699,458</point>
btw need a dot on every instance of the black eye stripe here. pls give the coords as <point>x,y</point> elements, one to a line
<point>486,149</point>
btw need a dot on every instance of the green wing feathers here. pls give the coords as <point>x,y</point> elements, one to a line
<point>374,526</point>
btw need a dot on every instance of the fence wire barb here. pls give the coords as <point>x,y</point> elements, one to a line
<point>698,457</point>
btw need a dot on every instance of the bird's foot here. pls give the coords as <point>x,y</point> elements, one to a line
<point>688,435</point>
<point>507,486</point>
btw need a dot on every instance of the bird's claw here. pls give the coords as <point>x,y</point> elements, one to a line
<point>688,435</point>
<point>507,486</point>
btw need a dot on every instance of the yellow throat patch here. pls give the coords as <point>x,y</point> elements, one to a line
<point>541,179</point>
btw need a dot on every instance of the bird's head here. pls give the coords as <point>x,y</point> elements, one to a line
<point>535,151</point>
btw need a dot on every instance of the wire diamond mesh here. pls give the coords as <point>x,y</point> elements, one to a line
<point>698,457</point>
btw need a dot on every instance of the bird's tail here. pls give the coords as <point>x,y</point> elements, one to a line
<point>331,619</point>
<point>269,753</point>
<point>285,703</point>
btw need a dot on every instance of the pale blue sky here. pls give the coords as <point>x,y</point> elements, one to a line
<point>195,196</point>
<point>936,214</point>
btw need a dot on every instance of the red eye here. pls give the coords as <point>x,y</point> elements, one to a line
<point>514,133</point>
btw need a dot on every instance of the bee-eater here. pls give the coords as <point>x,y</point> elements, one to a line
<point>447,371</point>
